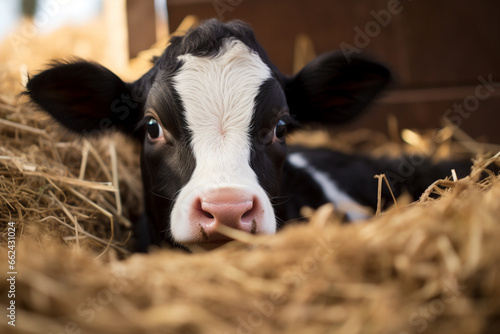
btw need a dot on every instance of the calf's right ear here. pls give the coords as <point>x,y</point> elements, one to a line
<point>332,90</point>
<point>87,98</point>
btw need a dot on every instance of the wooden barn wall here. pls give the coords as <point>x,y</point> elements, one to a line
<point>440,47</point>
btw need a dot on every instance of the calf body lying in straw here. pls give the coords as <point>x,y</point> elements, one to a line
<point>212,114</point>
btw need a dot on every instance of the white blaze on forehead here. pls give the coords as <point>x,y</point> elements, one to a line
<point>218,94</point>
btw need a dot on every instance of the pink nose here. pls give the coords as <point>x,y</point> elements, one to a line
<point>234,208</point>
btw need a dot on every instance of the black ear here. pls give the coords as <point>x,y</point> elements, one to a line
<point>86,98</point>
<point>332,90</point>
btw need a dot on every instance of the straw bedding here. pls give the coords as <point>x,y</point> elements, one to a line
<point>427,267</point>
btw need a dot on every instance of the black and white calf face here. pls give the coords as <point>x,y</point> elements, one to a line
<point>212,115</point>
<point>225,152</point>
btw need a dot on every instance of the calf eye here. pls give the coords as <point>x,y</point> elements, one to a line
<point>280,129</point>
<point>154,129</point>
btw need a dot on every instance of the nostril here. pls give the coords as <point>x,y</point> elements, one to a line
<point>208,214</point>
<point>253,212</point>
<point>249,212</point>
<point>202,211</point>
<point>246,214</point>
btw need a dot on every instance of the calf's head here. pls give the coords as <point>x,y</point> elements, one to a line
<point>211,114</point>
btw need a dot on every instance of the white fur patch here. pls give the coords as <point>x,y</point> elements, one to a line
<point>218,95</point>
<point>353,210</point>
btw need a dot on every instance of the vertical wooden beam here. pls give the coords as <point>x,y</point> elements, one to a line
<point>117,52</point>
<point>303,52</point>
<point>162,31</point>
<point>141,22</point>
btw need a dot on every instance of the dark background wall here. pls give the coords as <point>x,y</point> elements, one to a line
<point>437,49</point>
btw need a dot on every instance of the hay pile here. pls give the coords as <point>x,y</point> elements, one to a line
<point>429,267</point>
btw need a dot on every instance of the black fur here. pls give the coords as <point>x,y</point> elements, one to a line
<point>354,175</point>
<point>331,90</point>
<point>85,97</point>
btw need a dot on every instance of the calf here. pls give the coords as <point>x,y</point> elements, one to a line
<point>212,114</point>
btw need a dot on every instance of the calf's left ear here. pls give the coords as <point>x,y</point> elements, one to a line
<point>331,90</point>
<point>86,98</point>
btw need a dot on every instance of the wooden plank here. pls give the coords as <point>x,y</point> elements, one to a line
<point>434,94</point>
<point>439,43</point>
<point>141,23</point>
<point>480,123</point>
